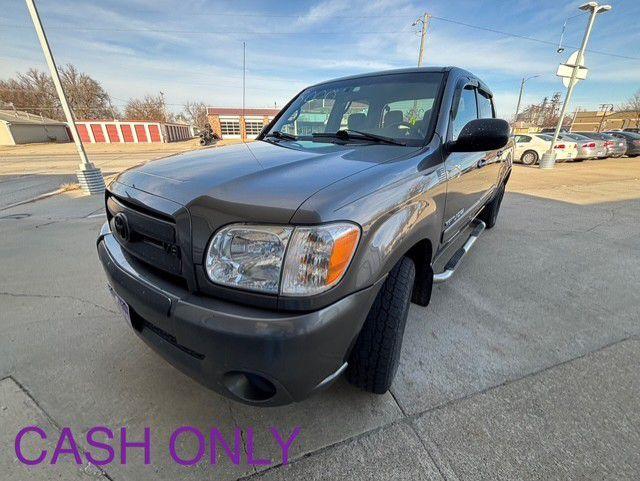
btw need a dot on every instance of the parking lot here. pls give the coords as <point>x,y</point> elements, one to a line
<point>524,365</point>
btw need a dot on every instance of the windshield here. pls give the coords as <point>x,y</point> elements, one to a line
<point>396,106</point>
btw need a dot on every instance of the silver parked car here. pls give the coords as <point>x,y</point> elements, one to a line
<point>615,147</point>
<point>585,148</point>
<point>597,148</point>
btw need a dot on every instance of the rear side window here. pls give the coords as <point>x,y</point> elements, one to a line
<point>523,138</point>
<point>467,111</point>
<point>485,106</point>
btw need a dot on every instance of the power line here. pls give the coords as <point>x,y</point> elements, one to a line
<point>209,32</point>
<point>526,37</point>
<point>343,32</point>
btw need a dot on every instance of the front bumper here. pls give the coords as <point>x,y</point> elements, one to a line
<point>252,355</point>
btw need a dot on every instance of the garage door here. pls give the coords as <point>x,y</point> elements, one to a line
<point>126,133</point>
<point>154,133</point>
<point>112,132</point>
<point>98,135</point>
<point>83,133</point>
<point>140,132</point>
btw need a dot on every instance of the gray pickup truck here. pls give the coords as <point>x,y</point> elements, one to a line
<point>266,270</point>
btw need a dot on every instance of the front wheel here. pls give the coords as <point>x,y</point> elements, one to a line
<point>376,354</point>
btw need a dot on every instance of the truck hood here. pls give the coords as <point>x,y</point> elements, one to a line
<point>259,174</point>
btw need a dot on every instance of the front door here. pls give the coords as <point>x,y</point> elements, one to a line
<point>467,182</point>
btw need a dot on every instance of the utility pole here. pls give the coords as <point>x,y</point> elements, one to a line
<point>424,20</point>
<point>549,158</point>
<point>573,119</point>
<point>244,73</point>
<point>605,108</point>
<point>89,176</point>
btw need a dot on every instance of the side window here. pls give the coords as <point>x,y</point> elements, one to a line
<point>485,106</point>
<point>467,111</point>
<point>523,138</point>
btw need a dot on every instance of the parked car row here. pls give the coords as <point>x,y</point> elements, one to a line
<point>632,140</point>
<point>577,146</point>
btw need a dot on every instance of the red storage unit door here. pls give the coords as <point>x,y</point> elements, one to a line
<point>112,132</point>
<point>126,133</point>
<point>97,132</point>
<point>82,132</point>
<point>154,133</point>
<point>142,135</point>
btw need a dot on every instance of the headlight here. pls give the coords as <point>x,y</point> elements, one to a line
<point>249,257</point>
<point>253,257</point>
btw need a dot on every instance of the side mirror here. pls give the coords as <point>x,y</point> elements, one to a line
<point>480,135</point>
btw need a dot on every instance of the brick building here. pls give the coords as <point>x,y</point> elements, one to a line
<point>592,121</point>
<point>230,123</point>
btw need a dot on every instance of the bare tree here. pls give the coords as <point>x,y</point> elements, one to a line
<point>150,107</point>
<point>196,114</point>
<point>33,91</point>
<point>633,105</point>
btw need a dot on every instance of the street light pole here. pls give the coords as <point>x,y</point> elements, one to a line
<point>524,80</point>
<point>549,158</point>
<point>89,176</point>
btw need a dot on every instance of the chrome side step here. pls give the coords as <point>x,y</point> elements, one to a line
<point>453,263</point>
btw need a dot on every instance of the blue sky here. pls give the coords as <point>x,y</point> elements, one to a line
<point>192,49</point>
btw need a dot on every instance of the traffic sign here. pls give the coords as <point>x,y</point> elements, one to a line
<point>565,70</point>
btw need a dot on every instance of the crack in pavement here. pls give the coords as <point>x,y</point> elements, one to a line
<point>52,296</point>
<point>410,418</point>
<point>85,468</point>
<point>242,435</point>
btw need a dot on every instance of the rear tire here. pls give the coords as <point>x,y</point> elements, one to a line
<point>489,214</point>
<point>530,157</point>
<point>376,354</point>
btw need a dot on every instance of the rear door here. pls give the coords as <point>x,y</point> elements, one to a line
<point>466,179</point>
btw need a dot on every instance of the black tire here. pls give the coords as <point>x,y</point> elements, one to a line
<point>529,157</point>
<point>375,356</point>
<point>489,214</point>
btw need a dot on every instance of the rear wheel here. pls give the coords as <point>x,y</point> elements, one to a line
<point>530,157</point>
<point>375,357</point>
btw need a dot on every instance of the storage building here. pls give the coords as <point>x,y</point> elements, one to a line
<point>17,127</point>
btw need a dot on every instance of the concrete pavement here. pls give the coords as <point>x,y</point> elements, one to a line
<point>523,366</point>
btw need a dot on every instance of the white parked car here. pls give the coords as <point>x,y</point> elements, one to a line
<point>530,147</point>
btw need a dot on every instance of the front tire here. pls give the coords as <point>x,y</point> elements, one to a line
<point>376,354</point>
<point>530,157</point>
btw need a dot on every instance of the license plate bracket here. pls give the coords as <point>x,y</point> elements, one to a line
<point>121,303</point>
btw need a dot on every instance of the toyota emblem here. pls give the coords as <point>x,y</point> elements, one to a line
<point>121,225</point>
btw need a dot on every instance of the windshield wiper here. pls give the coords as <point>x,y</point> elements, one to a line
<point>350,134</point>
<point>281,135</point>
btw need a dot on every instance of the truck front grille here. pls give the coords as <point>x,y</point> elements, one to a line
<point>148,236</point>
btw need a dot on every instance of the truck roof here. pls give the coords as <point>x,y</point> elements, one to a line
<point>459,72</point>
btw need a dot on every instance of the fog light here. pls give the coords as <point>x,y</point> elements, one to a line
<point>249,386</point>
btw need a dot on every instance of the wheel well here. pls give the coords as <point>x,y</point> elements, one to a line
<point>421,254</point>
